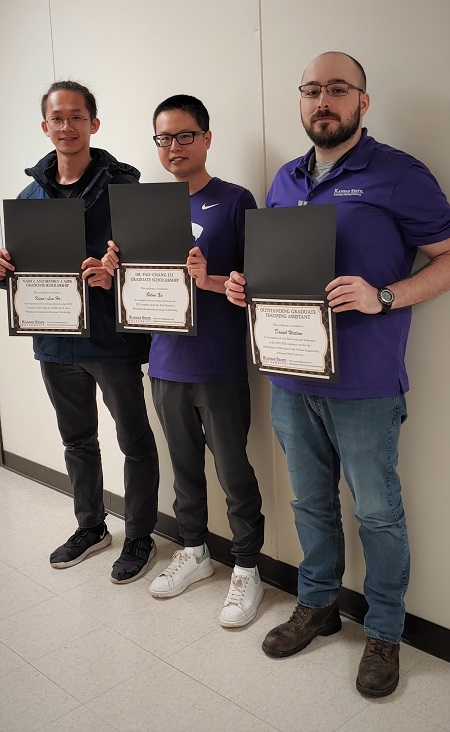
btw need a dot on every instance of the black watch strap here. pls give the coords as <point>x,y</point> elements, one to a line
<point>386,297</point>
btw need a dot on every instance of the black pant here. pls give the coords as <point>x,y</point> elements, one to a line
<point>218,415</point>
<point>72,391</point>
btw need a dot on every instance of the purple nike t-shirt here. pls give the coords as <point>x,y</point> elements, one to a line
<point>388,204</point>
<point>218,352</point>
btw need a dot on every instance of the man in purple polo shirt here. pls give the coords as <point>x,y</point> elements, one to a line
<point>388,205</point>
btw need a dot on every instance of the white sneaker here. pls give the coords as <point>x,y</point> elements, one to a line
<point>184,569</point>
<point>244,596</point>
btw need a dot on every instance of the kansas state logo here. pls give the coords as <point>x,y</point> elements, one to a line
<point>348,192</point>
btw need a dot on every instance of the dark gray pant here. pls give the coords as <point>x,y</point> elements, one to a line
<point>218,415</point>
<point>72,391</point>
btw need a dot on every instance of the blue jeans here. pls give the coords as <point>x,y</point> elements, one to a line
<point>318,434</point>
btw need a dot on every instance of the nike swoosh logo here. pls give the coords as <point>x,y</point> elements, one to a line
<point>211,205</point>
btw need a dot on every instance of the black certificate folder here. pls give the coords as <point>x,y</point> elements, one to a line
<point>45,235</point>
<point>151,225</point>
<point>289,260</point>
<point>151,222</point>
<point>290,251</point>
<point>46,240</point>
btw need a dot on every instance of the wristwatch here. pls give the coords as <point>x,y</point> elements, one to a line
<point>386,297</point>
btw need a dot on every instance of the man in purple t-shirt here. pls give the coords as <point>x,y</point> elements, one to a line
<point>199,384</point>
<point>388,205</point>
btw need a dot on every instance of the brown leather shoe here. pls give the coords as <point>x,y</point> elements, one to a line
<point>379,668</point>
<point>304,624</point>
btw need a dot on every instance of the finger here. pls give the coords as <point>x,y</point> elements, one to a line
<point>108,262</point>
<point>235,294</point>
<point>6,265</point>
<point>343,308</point>
<point>90,272</point>
<point>233,286</point>
<point>234,301</point>
<point>113,246</point>
<point>342,290</point>
<point>97,280</point>
<point>237,278</point>
<point>339,281</point>
<point>112,256</point>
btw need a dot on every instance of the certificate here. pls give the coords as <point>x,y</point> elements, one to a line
<point>46,294</point>
<point>292,337</point>
<point>155,297</point>
<point>47,304</point>
<point>289,260</point>
<point>151,225</point>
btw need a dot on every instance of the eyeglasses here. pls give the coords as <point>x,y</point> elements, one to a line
<point>183,138</point>
<point>76,122</point>
<point>341,89</point>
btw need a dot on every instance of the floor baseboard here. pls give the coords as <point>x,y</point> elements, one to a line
<point>419,633</point>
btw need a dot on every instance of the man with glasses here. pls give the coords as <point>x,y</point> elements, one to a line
<point>388,206</point>
<point>73,367</point>
<point>199,384</point>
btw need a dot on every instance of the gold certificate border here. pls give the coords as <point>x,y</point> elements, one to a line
<point>329,366</point>
<point>14,316</point>
<point>188,282</point>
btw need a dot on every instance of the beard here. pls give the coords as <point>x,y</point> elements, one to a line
<point>326,140</point>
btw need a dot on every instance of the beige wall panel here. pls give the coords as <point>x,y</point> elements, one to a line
<point>133,54</point>
<point>28,424</point>
<point>132,58</point>
<point>404,49</point>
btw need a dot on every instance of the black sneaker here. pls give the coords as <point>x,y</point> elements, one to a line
<point>80,545</point>
<point>135,560</point>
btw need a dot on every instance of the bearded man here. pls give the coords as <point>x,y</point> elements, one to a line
<point>388,206</point>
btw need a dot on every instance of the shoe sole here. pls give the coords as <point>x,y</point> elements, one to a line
<point>374,694</point>
<point>324,631</point>
<point>199,574</point>
<point>143,571</point>
<point>243,621</point>
<point>106,541</point>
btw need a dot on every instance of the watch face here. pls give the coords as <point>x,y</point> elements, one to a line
<point>386,296</point>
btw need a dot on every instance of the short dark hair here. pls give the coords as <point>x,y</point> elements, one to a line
<point>361,72</point>
<point>72,86</point>
<point>186,103</point>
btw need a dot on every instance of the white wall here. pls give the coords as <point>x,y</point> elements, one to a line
<point>244,58</point>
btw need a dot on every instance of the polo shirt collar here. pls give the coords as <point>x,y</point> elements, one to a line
<point>355,159</point>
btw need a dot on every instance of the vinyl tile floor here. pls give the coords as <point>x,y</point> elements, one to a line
<point>80,654</point>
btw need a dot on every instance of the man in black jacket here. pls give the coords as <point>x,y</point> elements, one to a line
<point>72,367</point>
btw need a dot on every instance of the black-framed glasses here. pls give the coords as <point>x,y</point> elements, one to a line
<point>183,138</point>
<point>338,89</point>
<point>76,122</point>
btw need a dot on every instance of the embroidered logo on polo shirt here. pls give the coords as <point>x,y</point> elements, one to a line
<point>348,192</point>
<point>211,205</point>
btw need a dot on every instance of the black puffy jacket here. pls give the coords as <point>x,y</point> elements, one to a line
<point>104,343</point>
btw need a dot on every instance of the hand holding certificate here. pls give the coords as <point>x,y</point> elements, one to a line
<point>289,259</point>
<point>152,229</point>
<point>46,293</point>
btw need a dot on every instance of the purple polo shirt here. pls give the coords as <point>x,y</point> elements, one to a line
<point>218,352</point>
<point>388,204</point>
